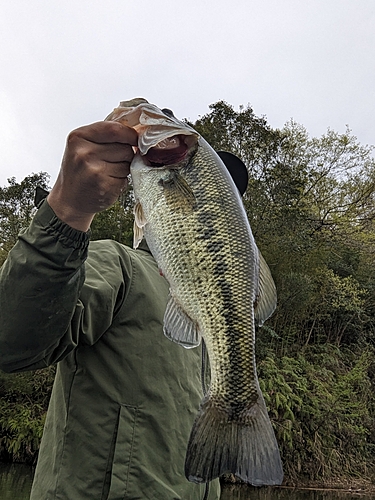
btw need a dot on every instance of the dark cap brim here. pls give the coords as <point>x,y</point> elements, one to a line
<point>237,170</point>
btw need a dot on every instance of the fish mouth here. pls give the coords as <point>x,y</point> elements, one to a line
<point>169,151</point>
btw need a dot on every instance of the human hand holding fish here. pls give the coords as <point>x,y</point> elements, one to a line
<point>93,172</point>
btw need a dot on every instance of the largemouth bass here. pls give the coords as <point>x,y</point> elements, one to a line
<point>192,216</point>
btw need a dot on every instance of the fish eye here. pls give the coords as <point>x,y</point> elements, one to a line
<point>168,112</point>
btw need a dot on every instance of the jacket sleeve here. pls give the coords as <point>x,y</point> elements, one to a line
<point>40,283</point>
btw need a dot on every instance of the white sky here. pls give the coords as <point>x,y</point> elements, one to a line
<point>66,63</point>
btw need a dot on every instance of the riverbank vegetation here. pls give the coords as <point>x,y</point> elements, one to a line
<point>310,203</point>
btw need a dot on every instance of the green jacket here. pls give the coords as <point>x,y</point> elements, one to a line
<point>124,397</point>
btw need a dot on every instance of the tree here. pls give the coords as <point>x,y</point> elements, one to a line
<point>116,223</point>
<point>311,207</point>
<point>310,202</point>
<point>241,133</point>
<point>17,208</point>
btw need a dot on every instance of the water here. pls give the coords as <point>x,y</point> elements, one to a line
<point>15,484</point>
<point>249,493</point>
<point>15,481</point>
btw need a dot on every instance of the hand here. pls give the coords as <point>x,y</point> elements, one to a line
<point>93,172</point>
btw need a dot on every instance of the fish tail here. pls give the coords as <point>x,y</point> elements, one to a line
<point>245,446</point>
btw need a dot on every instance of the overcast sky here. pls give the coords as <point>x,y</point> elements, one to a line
<point>67,63</point>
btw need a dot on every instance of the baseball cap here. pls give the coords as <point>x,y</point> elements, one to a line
<point>236,168</point>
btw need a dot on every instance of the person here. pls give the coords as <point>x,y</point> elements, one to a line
<point>124,397</point>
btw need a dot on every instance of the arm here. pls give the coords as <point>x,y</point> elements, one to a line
<point>39,287</point>
<point>41,280</point>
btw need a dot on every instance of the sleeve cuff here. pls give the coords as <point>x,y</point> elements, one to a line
<point>65,234</point>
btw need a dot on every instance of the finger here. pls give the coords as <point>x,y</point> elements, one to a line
<point>119,170</point>
<point>105,132</point>
<point>89,154</point>
<point>113,153</point>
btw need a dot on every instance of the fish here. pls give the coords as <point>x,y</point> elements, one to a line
<point>191,214</point>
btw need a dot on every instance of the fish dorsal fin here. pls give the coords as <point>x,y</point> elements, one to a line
<point>179,328</point>
<point>139,223</point>
<point>266,300</point>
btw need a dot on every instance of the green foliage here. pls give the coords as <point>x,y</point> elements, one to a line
<point>23,405</point>
<point>116,222</point>
<point>21,430</point>
<point>17,208</point>
<point>321,403</point>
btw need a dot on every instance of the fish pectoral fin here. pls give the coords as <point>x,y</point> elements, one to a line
<point>137,235</point>
<point>139,223</point>
<point>179,328</point>
<point>176,183</point>
<point>139,215</point>
<point>266,300</point>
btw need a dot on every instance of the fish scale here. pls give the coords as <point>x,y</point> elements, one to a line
<point>194,222</point>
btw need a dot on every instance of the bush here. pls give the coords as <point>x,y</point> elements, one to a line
<point>321,404</point>
<point>23,405</point>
